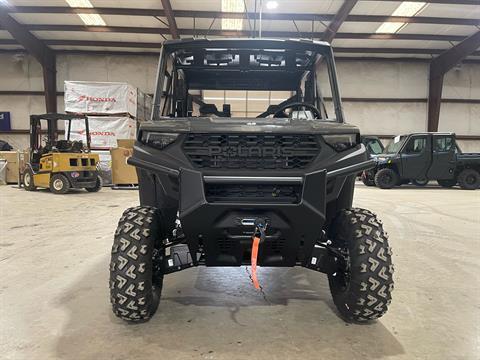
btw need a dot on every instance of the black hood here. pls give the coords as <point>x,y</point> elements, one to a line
<point>247,125</point>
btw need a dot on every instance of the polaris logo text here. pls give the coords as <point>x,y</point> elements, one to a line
<point>96,99</point>
<point>250,151</point>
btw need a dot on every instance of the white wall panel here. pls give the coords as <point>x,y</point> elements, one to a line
<point>462,119</point>
<point>358,79</point>
<point>20,72</point>
<point>386,118</point>
<point>139,71</point>
<point>382,79</point>
<point>462,82</point>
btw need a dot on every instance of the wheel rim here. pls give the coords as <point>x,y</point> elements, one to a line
<point>343,276</point>
<point>387,179</point>
<point>58,184</point>
<point>470,180</point>
<point>157,269</point>
<point>26,179</point>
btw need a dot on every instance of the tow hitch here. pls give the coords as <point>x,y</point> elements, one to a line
<point>328,259</point>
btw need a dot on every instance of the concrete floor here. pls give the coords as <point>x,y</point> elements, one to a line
<point>54,254</point>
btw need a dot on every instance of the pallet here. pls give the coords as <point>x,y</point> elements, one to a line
<point>124,186</point>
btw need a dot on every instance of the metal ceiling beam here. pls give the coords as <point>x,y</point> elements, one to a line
<point>448,2</point>
<point>9,42</point>
<point>439,67</point>
<point>414,20</point>
<point>400,36</point>
<point>107,29</point>
<point>155,54</point>
<point>435,88</point>
<point>287,34</point>
<point>40,51</point>
<point>120,44</point>
<point>172,24</point>
<point>241,15</point>
<point>21,35</point>
<point>367,50</point>
<point>338,20</point>
<point>154,45</point>
<point>453,56</point>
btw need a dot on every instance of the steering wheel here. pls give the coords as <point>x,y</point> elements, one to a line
<point>280,112</point>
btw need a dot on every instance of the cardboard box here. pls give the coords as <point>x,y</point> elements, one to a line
<point>125,143</point>
<point>13,164</point>
<point>106,98</point>
<point>3,172</point>
<point>122,173</point>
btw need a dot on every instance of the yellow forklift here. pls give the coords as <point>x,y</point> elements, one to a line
<point>60,165</point>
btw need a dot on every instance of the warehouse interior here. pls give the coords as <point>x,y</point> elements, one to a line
<point>403,67</point>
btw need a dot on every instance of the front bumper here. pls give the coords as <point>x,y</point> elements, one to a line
<point>297,209</point>
<point>82,179</point>
<point>223,231</point>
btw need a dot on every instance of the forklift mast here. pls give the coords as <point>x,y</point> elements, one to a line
<point>52,120</point>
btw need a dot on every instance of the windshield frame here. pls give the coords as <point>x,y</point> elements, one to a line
<point>377,142</point>
<point>395,145</point>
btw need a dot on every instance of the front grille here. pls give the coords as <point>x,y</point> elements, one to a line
<point>251,151</point>
<point>274,244</point>
<point>284,194</point>
<point>226,244</point>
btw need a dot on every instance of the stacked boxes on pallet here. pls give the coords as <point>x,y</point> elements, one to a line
<point>114,110</point>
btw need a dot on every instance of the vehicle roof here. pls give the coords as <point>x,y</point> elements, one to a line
<point>428,133</point>
<point>56,116</point>
<point>243,43</point>
<point>370,137</point>
<point>245,64</point>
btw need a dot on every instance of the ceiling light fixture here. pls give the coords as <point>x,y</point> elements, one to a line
<point>88,19</point>
<point>406,8</point>
<point>232,6</point>
<point>271,5</point>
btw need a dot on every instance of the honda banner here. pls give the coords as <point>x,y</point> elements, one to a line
<point>104,131</point>
<point>100,98</point>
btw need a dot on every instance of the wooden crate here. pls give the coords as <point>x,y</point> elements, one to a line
<point>122,173</point>
<point>16,161</point>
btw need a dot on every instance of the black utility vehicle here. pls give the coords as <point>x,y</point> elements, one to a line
<point>213,185</point>
<point>374,147</point>
<point>422,157</point>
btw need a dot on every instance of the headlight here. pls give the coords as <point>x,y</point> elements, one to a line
<point>158,140</point>
<point>382,160</point>
<point>341,142</point>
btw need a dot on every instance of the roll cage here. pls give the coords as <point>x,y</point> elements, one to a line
<point>51,131</point>
<point>242,64</point>
<point>402,141</point>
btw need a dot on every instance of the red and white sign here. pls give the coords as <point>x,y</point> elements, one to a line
<point>83,97</point>
<point>104,131</point>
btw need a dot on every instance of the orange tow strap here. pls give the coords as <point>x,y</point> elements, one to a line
<point>256,242</point>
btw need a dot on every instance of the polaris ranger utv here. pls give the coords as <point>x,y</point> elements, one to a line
<point>274,189</point>
<point>421,157</point>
